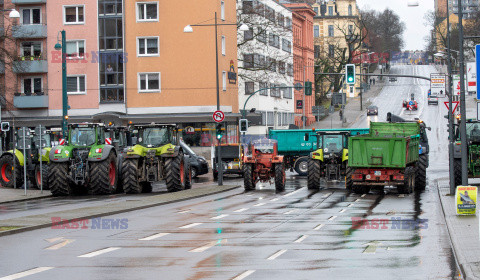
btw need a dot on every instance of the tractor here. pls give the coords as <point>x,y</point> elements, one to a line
<point>34,156</point>
<point>156,156</point>
<point>473,147</point>
<point>330,160</point>
<point>263,164</point>
<point>87,162</point>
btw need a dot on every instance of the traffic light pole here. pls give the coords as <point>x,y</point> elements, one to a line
<point>64,85</point>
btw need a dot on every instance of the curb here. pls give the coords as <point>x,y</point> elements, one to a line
<point>25,199</point>
<point>108,213</point>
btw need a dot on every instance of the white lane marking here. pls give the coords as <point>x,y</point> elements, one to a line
<point>260,198</point>
<point>155,236</point>
<point>332,218</point>
<point>351,204</point>
<point>343,210</point>
<point>99,252</point>
<point>274,199</point>
<point>26,273</point>
<point>244,275</point>
<point>60,245</point>
<point>300,239</point>
<point>184,211</point>
<point>326,195</point>
<point>204,248</point>
<point>276,255</point>
<point>363,195</point>
<point>289,212</point>
<point>289,194</point>
<point>260,204</point>
<point>318,227</point>
<point>191,225</point>
<point>357,200</point>
<point>241,210</point>
<point>219,217</point>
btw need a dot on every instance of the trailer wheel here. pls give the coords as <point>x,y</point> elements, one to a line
<point>313,179</point>
<point>280,177</point>
<point>421,173</point>
<point>301,166</point>
<point>408,181</point>
<point>457,171</point>
<point>361,189</point>
<point>348,178</point>
<point>248,180</point>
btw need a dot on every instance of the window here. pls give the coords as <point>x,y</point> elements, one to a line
<point>350,30</point>
<point>110,7</point>
<point>147,11</point>
<point>248,61</point>
<point>272,64</point>
<point>224,77</point>
<point>263,85</point>
<point>281,67</point>
<point>260,8</point>
<point>288,23</point>
<point>288,93</point>
<point>274,40</point>
<point>110,33</point>
<point>315,9</point>
<point>331,31</point>
<point>270,119</point>
<point>316,51</point>
<point>275,91</point>
<point>223,45</point>
<point>149,82</point>
<point>286,45</point>
<point>73,15</point>
<point>111,95</point>
<point>330,10</point>
<point>248,7</point>
<point>31,16</point>
<point>31,49</point>
<point>249,88</point>
<point>222,10</point>
<point>32,85</point>
<point>280,20</point>
<point>148,46</point>
<point>76,84</point>
<point>331,50</point>
<point>290,70</point>
<point>262,36</point>
<point>248,35</point>
<point>350,10</point>
<point>316,31</point>
<point>270,14</point>
<point>76,49</point>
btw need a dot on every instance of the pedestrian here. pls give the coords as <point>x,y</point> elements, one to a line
<point>370,81</point>
<point>373,81</point>
<point>341,114</point>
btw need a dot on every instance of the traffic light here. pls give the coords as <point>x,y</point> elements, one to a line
<point>219,132</point>
<point>350,74</point>
<point>308,88</point>
<point>5,126</point>
<point>243,125</point>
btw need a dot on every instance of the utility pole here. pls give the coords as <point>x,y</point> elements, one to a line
<point>463,111</point>
<point>451,134</point>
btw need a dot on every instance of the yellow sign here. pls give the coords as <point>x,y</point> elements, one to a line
<point>466,200</point>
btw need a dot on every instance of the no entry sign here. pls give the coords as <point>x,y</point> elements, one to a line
<point>218,116</point>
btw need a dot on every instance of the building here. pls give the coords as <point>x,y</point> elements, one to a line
<point>470,7</point>
<point>265,57</point>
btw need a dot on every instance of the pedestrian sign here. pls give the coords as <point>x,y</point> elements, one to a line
<point>466,200</point>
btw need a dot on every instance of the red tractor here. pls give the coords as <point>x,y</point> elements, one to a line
<point>263,164</point>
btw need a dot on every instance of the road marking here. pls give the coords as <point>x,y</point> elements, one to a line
<point>27,273</point>
<point>343,210</point>
<point>219,217</point>
<point>332,218</point>
<point>244,275</point>
<point>276,255</point>
<point>351,204</point>
<point>241,210</point>
<point>318,227</point>
<point>401,195</point>
<point>191,225</point>
<point>274,199</point>
<point>99,252</point>
<point>363,195</point>
<point>51,240</point>
<point>289,212</point>
<point>260,204</point>
<point>204,248</point>
<point>155,236</point>
<point>184,211</point>
<point>326,195</point>
<point>357,200</point>
<point>371,247</point>
<point>289,194</point>
<point>300,239</point>
<point>60,245</point>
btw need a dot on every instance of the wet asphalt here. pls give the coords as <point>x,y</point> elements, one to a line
<point>296,234</point>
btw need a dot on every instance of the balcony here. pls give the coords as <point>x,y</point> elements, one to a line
<point>30,100</point>
<point>29,31</point>
<point>30,65</point>
<point>22,2</point>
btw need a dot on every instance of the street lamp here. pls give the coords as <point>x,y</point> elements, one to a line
<point>189,29</point>
<point>63,46</point>
<point>412,3</point>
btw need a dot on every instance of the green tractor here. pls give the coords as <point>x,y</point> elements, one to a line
<point>156,156</point>
<point>330,160</point>
<point>34,155</point>
<point>86,163</point>
<point>473,146</point>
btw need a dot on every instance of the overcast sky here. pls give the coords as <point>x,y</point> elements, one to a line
<point>413,17</point>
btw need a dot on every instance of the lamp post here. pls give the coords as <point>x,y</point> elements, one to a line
<point>189,29</point>
<point>63,47</point>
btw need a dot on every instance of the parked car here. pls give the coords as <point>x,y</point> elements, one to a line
<point>393,79</point>
<point>433,99</point>
<point>198,163</point>
<point>372,110</point>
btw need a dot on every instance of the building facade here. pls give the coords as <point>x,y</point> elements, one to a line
<point>265,57</point>
<point>469,7</point>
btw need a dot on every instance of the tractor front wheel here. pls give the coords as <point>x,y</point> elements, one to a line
<point>7,172</point>
<point>248,179</point>
<point>58,180</point>
<point>43,177</point>
<point>280,177</point>
<point>103,175</point>
<point>175,173</point>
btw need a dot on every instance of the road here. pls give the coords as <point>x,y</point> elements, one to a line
<point>296,234</point>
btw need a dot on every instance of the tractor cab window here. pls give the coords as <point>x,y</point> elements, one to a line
<point>82,136</point>
<point>334,143</point>
<point>264,146</point>
<point>473,132</point>
<point>155,136</point>
<point>45,139</point>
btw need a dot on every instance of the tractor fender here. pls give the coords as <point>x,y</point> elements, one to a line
<point>277,159</point>
<point>457,151</point>
<point>18,155</point>
<point>52,157</point>
<point>317,155</point>
<point>174,154</point>
<point>106,149</point>
<point>345,155</point>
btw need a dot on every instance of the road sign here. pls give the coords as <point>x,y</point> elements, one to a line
<point>298,86</point>
<point>478,111</point>
<point>471,77</point>
<point>5,126</point>
<point>218,116</point>
<point>438,84</point>
<point>25,142</point>
<point>456,84</point>
<point>453,103</point>
<point>299,104</point>
<point>477,61</point>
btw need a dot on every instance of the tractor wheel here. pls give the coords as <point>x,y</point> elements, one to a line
<point>280,177</point>
<point>175,173</point>
<point>408,181</point>
<point>194,172</point>
<point>301,166</point>
<point>348,178</point>
<point>313,182</point>
<point>6,169</point>
<point>457,171</point>
<point>57,179</point>
<point>188,178</point>
<point>130,177</point>
<point>248,180</point>
<point>103,175</point>
<point>43,179</point>
<point>421,173</point>
<point>215,175</point>
<point>146,187</point>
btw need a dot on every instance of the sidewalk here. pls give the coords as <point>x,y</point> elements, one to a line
<point>11,195</point>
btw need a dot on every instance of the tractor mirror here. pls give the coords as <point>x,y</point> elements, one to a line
<point>306,137</point>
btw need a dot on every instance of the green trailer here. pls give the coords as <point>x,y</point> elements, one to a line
<point>387,156</point>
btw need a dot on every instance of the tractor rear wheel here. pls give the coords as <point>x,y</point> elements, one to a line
<point>175,173</point>
<point>130,180</point>
<point>248,180</point>
<point>421,173</point>
<point>313,182</point>
<point>57,179</point>
<point>348,178</point>
<point>280,177</point>
<point>7,172</point>
<point>103,175</point>
<point>43,178</point>
<point>188,177</point>
<point>408,181</point>
<point>457,171</point>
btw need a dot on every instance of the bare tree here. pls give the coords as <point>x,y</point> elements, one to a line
<point>385,29</point>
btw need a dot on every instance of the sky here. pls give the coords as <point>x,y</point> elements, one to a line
<point>413,17</point>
